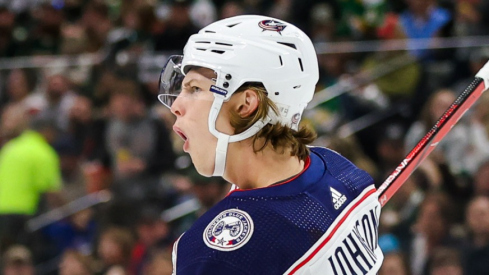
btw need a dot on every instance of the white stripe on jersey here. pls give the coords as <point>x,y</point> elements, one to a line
<point>350,246</point>
<point>174,255</point>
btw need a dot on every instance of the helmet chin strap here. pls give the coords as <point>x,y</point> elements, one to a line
<point>221,153</point>
<point>223,139</point>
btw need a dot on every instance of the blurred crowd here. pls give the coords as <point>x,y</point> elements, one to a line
<point>74,127</point>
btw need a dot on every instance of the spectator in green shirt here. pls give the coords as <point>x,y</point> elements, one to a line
<point>29,168</point>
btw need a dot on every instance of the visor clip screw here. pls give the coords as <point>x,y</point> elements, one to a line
<point>228,77</point>
<point>225,84</point>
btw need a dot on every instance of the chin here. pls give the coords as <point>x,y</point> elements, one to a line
<point>204,172</point>
<point>203,169</point>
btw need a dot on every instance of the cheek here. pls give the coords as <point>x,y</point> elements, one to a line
<point>223,124</point>
<point>203,154</point>
<point>199,127</point>
<point>197,116</point>
<point>202,143</point>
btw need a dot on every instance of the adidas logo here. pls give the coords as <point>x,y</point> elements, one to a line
<point>338,198</point>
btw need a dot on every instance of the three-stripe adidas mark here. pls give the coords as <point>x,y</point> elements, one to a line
<point>338,198</point>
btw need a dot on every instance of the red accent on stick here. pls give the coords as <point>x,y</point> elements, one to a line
<point>429,142</point>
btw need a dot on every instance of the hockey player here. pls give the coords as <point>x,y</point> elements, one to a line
<point>238,93</point>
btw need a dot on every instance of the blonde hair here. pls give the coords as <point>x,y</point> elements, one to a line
<point>279,136</point>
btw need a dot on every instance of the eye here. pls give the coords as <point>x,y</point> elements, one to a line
<point>195,89</point>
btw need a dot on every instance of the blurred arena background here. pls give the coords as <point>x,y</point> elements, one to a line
<point>113,190</point>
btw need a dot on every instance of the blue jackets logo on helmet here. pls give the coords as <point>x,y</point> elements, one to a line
<point>272,25</point>
<point>296,118</point>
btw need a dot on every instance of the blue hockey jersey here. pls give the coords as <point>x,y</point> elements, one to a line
<point>323,221</point>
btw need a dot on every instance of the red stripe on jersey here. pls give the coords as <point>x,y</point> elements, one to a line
<point>332,232</point>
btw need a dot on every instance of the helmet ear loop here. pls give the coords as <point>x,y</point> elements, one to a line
<point>223,140</point>
<point>272,116</point>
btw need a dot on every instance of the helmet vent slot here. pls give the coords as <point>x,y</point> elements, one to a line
<point>232,25</point>
<point>202,42</point>
<point>224,44</point>
<point>199,49</point>
<point>210,31</point>
<point>300,63</point>
<point>281,62</point>
<point>288,45</point>
<point>218,51</point>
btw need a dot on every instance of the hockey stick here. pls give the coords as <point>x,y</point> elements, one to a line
<point>428,143</point>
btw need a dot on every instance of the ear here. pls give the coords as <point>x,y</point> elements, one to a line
<point>247,103</point>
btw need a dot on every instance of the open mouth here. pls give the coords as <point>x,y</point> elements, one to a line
<point>180,133</point>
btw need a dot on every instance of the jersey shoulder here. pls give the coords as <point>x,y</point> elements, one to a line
<point>266,231</point>
<point>347,176</point>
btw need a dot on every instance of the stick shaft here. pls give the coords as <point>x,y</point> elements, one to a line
<point>428,143</point>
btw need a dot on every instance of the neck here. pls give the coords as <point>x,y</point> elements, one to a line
<point>249,170</point>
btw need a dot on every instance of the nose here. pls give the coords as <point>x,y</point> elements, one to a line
<point>177,106</point>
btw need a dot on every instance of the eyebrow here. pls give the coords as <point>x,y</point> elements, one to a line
<point>187,84</point>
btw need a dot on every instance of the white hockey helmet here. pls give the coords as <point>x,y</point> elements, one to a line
<point>242,49</point>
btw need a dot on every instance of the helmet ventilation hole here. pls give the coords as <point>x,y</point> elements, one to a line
<point>300,63</point>
<point>223,44</point>
<point>288,45</point>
